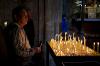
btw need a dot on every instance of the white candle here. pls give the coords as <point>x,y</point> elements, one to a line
<point>60,33</point>
<point>65,35</point>
<point>56,36</point>
<point>70,37</point>
<point>78,39</point>
<point>60,37</point>
<point>94,46</point>
<point>97,46</point>
<point>81,41</point>
<point>84,41</point>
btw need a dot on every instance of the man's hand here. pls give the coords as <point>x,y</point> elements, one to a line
<point>36,49</point>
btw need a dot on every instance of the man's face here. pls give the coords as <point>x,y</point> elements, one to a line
<point>24,17</point>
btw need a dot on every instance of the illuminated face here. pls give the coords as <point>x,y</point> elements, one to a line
<point>23,17</point>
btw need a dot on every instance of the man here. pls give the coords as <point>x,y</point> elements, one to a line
<point>18,44</point>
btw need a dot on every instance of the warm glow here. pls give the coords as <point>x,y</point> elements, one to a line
<point>5,23</point>
<point>71,46</point>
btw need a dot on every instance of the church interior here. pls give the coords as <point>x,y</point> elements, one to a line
<point>69,30</point>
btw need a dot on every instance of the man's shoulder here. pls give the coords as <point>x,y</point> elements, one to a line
<point>11,27</point>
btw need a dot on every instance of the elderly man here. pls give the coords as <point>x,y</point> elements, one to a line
<point>18,44</point>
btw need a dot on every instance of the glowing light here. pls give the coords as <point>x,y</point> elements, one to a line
<point>5,23</point>
<point>98,46</point>
<point>72,47</point>
<point>94,45</point>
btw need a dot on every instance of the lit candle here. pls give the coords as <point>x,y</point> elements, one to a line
<point>56,36</point>
<point>94,46</point>
<point>78,39</point>
<point>67,50</point>
<point>87,50</point>
<point>74,48</point>
<point>84,41</point>
<point>65,35</point>
<point>97,46</point>
<point>81,41</point>
<point>60,33</point>
<point>70,37</point>
<point>58,46</point>
<point>61,39</point>
<point>58,43</point>
<point>82,45</point>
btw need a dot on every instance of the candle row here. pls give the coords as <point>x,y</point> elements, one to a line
<point>72,46</point>
<point>70,37</point>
